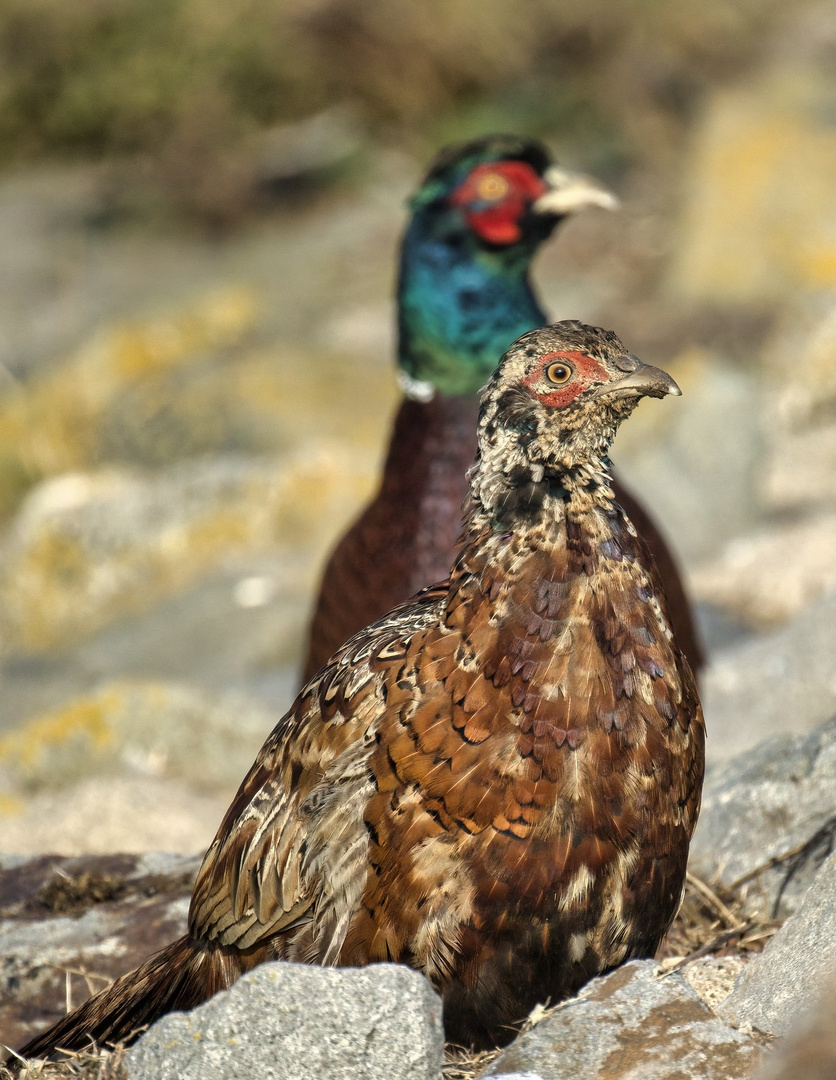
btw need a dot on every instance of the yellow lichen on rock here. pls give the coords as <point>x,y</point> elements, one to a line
<point>84,723</point>
<point>52,423</point>
<point>758,219</point>
<point>134,728</point>
<point>116,543</point>
<point>216,320</point>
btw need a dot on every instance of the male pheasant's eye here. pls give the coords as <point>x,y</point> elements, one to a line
<point>491,187</point>
<point>560,372</point>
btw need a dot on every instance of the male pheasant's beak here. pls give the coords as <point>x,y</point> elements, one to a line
<point>643,381</point>
<point>568,192</point>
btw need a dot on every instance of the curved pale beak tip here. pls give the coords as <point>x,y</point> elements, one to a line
<point>569,192</point>
<point>674,390</point>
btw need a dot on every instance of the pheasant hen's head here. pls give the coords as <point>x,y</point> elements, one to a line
<point>501,194</point>
<point>553,406</point>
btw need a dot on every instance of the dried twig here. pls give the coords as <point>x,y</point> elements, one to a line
<point>714,901</point>
<point>726,938</point>
<point>824,837</point>
<point>461,1063</point>
<point>825,832</point>
<point>91,1064</point>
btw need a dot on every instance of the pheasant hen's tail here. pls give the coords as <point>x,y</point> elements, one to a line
<point>180,976</point>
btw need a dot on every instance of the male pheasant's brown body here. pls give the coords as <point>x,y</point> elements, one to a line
<point>498,782</point>
<point>407,536</point>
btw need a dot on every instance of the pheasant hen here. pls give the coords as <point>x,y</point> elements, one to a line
<point>464,294</point>
<point>496,783</point>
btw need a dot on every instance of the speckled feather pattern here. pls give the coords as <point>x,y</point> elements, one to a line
<point>496,783</point>
<point>509,767</point>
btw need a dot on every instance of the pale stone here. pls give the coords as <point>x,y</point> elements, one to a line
<point>105,814</point>
<point>775,990</point>
<point>713,977</point>
<point>768,576</point>
<point>800,361</point>
<point>758,221</point>
<point>801,469</point>
<point>302,1022</point>
<point>627,1024</point>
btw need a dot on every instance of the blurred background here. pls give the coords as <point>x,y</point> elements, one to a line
<point>200,206</point>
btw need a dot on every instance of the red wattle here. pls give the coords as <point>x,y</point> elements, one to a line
<point>498,225</point>
<point>498,221</point>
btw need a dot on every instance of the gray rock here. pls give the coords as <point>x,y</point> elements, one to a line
<point>809,1052</point>
<point>671,458</point>
<point>627,1024</point>
<point>298,1022</point>
<point>770,575</point>
<point>776,987</point>
<point>763,804</point>
<point>68,926</point>
<point>88,549</point>
<point>783,682</point>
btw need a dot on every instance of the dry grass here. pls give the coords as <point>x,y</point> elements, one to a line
<point>463,1064</point>
<point>711,922</point>
<point>84,1065</point>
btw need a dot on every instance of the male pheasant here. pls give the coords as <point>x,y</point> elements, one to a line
<point>464,295</point>
<point>496,783</point>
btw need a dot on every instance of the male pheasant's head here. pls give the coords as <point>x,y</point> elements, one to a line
<point>553,406</point>
<point>479,216</point>
<point>502,194</point>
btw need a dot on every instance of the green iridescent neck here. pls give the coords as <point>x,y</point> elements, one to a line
<point>459,308</point>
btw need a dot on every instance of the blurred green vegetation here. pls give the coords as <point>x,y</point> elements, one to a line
<point>189,84</point>
<point>105,76</point>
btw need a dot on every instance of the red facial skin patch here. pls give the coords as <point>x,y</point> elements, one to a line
<point>586,370</point>
<point>494,197</point>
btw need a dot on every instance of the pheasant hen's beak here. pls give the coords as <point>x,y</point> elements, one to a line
<point>644,381</point>
<point>568,192</point>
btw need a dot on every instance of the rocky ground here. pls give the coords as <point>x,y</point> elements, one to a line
<point>185,425</point>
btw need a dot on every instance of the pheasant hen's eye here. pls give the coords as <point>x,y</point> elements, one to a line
<point>492,187</point>
<point>559,373</point>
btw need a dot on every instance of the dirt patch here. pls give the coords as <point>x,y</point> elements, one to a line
<point>66,895</point>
